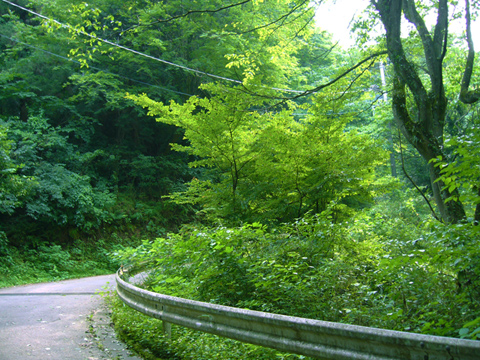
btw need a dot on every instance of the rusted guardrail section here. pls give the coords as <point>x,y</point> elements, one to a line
<point>315,338</point>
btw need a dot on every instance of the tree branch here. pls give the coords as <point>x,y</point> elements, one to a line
<point>318,88</point>
<point>399,106</point>
<point>412,15</point>
<point>342,75</point>
<point>284,16</point>
<point>432,48</point>
<point>466,96</point>
<point>390,15</point>
<point>354,80</point>
<point>441,29</point>
<point>413,182</point>
<point>190,12</point>
<point>297,33</point>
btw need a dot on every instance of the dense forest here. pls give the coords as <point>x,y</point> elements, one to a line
<point>248,160</point>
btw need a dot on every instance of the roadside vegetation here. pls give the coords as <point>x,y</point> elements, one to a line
<point>51,262</point>
<point>394,274</point>
<point>246,160</point>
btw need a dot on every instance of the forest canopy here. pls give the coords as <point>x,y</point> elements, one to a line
<point>246,157</point>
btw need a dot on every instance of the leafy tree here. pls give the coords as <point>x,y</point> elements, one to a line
<point>462,172</point>
<point>270,165</point>
<point>420,112</point>
<point>61,194</point>
<point>314,162</point>
<point>13,186</point>
<point>88,104</point>
<point>187,46</point>
<point>221,132</point>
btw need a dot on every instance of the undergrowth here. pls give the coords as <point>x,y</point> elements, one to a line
<point>56,253</point>
<point>145,336</point>
<point>373,270</point>
<point>51,262</point>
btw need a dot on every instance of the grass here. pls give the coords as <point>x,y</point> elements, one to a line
<point>52,262</point>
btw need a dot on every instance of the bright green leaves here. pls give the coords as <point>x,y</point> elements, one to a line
<point>307,164</point>
<point>471,330</point>
<point>463,173</point>
<point>368,271</point>
<point>94,86</point>
<point>267,42</point>
<point>244,62</point>
<point>271,165</point>
<point>221,132</point>
<point>86,22</point>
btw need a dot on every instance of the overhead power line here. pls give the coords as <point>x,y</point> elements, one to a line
<point>135,51</point>
<point>95,68</point>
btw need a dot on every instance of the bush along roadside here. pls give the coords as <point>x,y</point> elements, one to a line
<point>359,272</point>
<point>50,262</point>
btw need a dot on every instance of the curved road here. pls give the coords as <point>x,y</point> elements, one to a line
<point>65,320</point>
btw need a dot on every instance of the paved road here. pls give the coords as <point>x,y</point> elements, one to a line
<point>65,320</point>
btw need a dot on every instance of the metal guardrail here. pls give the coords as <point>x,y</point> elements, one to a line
<point>314,338</point>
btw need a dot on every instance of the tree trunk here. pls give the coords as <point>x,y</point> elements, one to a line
<point>468,96</point>
<point>393,165</point>
<point>422,124</point>
<point>451,211</point>
<point>23,110</point>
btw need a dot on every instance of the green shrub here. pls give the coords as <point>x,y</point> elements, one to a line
<point>371,270</point>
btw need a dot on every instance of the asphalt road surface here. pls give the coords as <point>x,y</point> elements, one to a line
<point>65,320</point>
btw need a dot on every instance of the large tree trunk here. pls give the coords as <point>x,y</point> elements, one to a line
<point>422,124</point>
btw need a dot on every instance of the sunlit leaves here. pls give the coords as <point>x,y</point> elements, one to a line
<point>272,165</point>
<point>464,171</point>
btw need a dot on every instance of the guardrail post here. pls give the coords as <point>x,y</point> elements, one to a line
<point>167,329</point>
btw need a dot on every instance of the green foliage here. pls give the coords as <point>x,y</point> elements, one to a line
<point>269,166</point>
<point>60,194</point>
<point>367,271</point>
<point>51,262</point>
<point>456,247</point>
<point>13,187</point>
<point>462,172</point>
<point>471,330</point>
<point>5,256</point>
<point>73,149</point>
<point>237,40</point>
<point>82,169</point>
<point>51,259</point>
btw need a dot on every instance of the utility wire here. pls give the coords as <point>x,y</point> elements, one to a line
<point>93,67</point>
<point>135,51</point>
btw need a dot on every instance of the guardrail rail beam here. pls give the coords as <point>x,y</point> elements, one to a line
<point>314,338</point>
